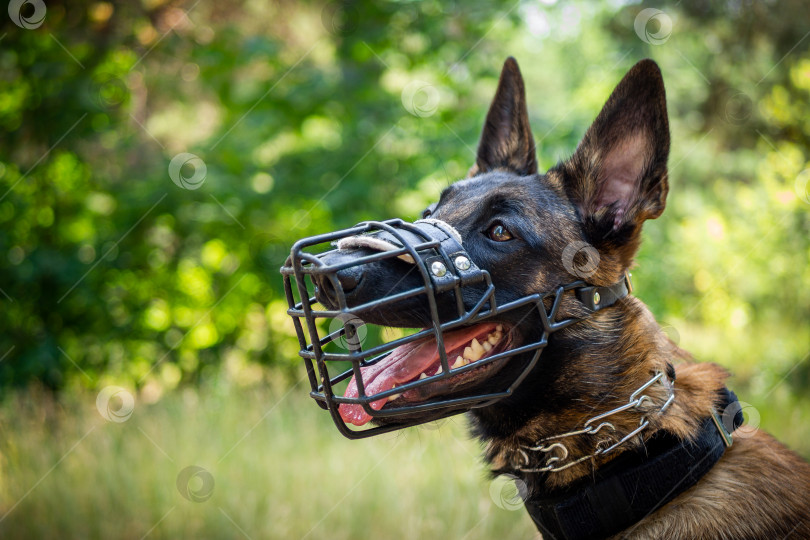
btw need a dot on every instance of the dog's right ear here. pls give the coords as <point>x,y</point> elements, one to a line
<point>617,177</point>
<point>507,142</point>
<point>619,170</point>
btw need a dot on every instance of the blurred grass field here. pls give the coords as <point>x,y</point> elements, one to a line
<point>279,467</point>
<point>280,471</point>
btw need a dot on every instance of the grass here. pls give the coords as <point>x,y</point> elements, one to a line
<point>279,467</point>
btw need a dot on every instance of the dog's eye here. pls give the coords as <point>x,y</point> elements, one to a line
<point>426,213</point>
<point>499,233</point>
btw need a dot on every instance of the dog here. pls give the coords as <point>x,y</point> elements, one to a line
<point>615,432</point>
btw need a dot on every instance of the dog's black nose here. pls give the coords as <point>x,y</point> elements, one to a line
<point>349,279</point>
<point>343,281</point>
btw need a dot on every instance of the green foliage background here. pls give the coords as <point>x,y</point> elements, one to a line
<point>112,274</point>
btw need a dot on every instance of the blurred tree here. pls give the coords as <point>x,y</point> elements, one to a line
<point>308,116</point>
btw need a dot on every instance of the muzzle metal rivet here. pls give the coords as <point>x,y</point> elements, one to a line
<point>596,298</point>
<point>462,262</point>
<point>438,268</point>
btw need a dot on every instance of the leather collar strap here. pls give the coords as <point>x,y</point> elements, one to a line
<point>635,484</point>
<point>596,298</point>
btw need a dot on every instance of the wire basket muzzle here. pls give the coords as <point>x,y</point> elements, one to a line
<point>407,275</point>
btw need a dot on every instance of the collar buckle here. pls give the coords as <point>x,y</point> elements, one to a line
<point>628,282</point>
<point>721,429</point>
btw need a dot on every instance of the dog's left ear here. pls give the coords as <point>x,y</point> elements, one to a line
<point>507,142</point>
<point>617,177</point>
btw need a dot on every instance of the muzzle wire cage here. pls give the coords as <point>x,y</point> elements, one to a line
<point>445,270</point>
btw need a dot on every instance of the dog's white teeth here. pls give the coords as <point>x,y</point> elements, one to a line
<point>469,354</point>
<point>424,375</point>
<point>477,349</point>
<point>393,397</point>
<point>438,370</point>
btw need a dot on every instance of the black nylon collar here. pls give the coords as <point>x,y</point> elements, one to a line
<point>635,484</point>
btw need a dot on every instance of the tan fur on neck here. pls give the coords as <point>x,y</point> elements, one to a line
<point>759,489</point>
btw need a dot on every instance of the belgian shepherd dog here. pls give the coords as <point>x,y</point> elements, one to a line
<point>594,458</point>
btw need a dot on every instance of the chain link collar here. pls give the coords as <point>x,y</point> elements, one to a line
<point>558,458</point>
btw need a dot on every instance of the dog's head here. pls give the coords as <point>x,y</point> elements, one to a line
<point>531,231</point>
<point>520,224</point>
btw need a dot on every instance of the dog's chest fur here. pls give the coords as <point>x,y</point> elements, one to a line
<point>759,488</point>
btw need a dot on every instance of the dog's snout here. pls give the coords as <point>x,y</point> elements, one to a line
<point>348,278</point>
<point>370,288</point>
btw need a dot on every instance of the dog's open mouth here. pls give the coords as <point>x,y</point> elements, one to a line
<point>420,359</point>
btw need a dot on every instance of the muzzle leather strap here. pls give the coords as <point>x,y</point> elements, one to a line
<point>454,262</point>
<point>635,484</point>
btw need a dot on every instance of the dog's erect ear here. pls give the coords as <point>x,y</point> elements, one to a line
<point>507,142</point>
<point>617,177</point>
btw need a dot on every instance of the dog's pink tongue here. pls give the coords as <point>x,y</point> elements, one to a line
<point>404,364</point>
